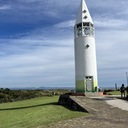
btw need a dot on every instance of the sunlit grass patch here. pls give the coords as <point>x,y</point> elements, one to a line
<point>34,112</point>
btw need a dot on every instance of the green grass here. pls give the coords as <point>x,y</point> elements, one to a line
<point>114,93</point>
<point>34,112</point>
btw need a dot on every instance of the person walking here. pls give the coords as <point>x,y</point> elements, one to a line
<point>122,90</point>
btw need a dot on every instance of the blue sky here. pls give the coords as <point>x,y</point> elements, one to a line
<point>37,42</point>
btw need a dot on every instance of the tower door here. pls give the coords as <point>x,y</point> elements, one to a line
<point>89,83</point>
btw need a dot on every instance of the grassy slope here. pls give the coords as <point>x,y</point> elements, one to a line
<point>33,113</point>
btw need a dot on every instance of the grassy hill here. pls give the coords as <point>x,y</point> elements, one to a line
<point>34,112</point>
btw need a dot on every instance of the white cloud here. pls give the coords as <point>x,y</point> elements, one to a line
<point>5,7</point>
<point>110,23</point>
<point>65,24</point>
<point>112,56</point>
<point>45,56</point>
<point>42,66</point>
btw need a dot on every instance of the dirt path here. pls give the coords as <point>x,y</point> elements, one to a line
<point>104,116</point>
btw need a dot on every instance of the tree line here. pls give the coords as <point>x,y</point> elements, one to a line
<point>7,95</point>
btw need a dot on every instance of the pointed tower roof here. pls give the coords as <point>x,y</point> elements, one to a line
<point>83,15</point>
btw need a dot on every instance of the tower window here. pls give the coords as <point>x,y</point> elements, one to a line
<point>92,25</point>
<point>85,24</point>
<point>79,31</point>
<point>87,46</point>
<point>79,25</point>
<point>85,17</point>
<point>84,11</point>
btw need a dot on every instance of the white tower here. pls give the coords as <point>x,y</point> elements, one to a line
<point>85,53</point>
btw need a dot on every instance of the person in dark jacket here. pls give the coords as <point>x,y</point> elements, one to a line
<point>122,90</point>
<point>127,91</point>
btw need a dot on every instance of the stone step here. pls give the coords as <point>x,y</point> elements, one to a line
<point>91,94</point>
<point>82,102</point>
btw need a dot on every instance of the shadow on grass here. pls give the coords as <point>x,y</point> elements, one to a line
<point>25,107</point>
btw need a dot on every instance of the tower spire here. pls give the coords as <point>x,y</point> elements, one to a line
<point>83,14</point>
